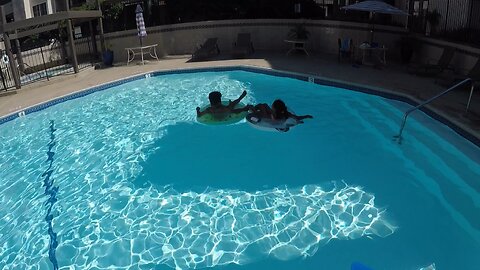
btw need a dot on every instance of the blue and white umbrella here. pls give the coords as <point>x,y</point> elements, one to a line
<point>375,6</point>
<point>140,23</point>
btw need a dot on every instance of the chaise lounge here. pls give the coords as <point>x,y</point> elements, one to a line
<point>244,46</point>
<point>208,49</point>
<point>431,70</point>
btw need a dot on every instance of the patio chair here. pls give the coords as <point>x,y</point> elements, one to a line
<point>208,49</point>
<point>244,46</point>
<point>346,49</point>
<point>431,70</point>
<point>450,80</point>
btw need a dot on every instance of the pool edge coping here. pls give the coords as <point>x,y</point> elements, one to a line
<point>456,126</point>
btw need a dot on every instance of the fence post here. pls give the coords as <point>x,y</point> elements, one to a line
<point>93,40</point>
<point>3,78</point>
<point>446,19</point>
<point>102,37</point>
<point>8,48</point>
<point>90,51</point>
<point>44,64</point>
<point>71,41</point>
<point>21,65</point>
<point>469,23</point>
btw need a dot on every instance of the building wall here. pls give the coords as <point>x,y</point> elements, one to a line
<point>8,8</point>
<point>23,9</point>
<point>19,7</point>
<point>28,9</point>
<point>37,2</point>
<point>403,5</point>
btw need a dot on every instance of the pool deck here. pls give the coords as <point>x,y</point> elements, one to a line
<point>392,79</point>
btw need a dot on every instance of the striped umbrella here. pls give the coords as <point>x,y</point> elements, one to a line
<point>140,23</point>
<point>375,6</point>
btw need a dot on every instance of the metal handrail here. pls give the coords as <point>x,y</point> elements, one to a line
<point>399,136</point>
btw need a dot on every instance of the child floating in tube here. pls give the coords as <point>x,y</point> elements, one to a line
<point>219,110</point>
<point>278,112</point>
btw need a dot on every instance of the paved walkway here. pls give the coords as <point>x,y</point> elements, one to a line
<point>391,79</point>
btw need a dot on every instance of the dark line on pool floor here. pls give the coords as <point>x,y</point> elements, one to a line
<point>51,192</point>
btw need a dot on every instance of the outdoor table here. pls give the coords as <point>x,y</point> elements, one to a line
<point>150,49</point>
<point>380,52</point>
<point>297,45</point>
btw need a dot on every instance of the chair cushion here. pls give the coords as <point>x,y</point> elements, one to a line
<point>345,44</point>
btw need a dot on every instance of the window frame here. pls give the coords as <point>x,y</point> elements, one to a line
<point>38,9</point>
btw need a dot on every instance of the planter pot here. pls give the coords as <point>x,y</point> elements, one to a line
<point>108,58</point>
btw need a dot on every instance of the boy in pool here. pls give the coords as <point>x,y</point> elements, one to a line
<point>218,110</point>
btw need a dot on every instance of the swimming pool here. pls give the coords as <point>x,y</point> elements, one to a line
<point>126,178</point>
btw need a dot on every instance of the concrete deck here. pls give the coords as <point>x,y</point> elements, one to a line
<point>393,79</point>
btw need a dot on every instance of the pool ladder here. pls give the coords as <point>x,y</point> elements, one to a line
<point>398,137</point>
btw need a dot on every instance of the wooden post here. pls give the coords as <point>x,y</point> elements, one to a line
<point>102,37</point>
<point>71,41</point>
<point>21,65</point>
<point>8,49</point>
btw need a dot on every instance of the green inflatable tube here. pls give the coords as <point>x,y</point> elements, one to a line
<point>232,118</point>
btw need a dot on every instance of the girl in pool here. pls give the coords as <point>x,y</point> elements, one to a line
<point>278,111</point>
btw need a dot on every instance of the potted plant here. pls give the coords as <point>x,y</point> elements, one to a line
<point>299,32</point>
<point>108,55</point>
<point>433,19</point>
<point>406,44</point>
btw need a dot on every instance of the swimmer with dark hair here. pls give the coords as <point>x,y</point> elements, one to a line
<point>216,107</point>
<point>278,112</point>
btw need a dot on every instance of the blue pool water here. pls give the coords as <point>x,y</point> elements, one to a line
<point>126,179</point>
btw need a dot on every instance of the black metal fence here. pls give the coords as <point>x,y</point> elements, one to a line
<point>87,52</point>
<point>44,59</point>
<point>43,62</point>
<point>6,75</point>
<point>455,20</point>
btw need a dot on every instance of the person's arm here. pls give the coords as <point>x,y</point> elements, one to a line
<point>244,109</point>
<point>299,117</point>
<point>236,101</point>
<point>262,109</point>
<point>200,113</point>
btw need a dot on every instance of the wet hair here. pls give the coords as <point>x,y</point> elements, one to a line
<point>280,109</point>
<point>215,98</point>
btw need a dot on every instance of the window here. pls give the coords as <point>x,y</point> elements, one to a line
<point>40,10</point>
<point>420,8</point>
<point>10,18</point>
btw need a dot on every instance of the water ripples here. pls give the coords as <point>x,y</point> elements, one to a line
<point>103,219</point>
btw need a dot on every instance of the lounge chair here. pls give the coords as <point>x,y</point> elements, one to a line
<point>474,74</point>
<point>430,70</point>
<point>346,49</point>
<point>450,80</point>
<point>208,49</point>
<point>244,46</point>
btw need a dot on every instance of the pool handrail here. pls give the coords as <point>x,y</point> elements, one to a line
<point>402,126</point>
